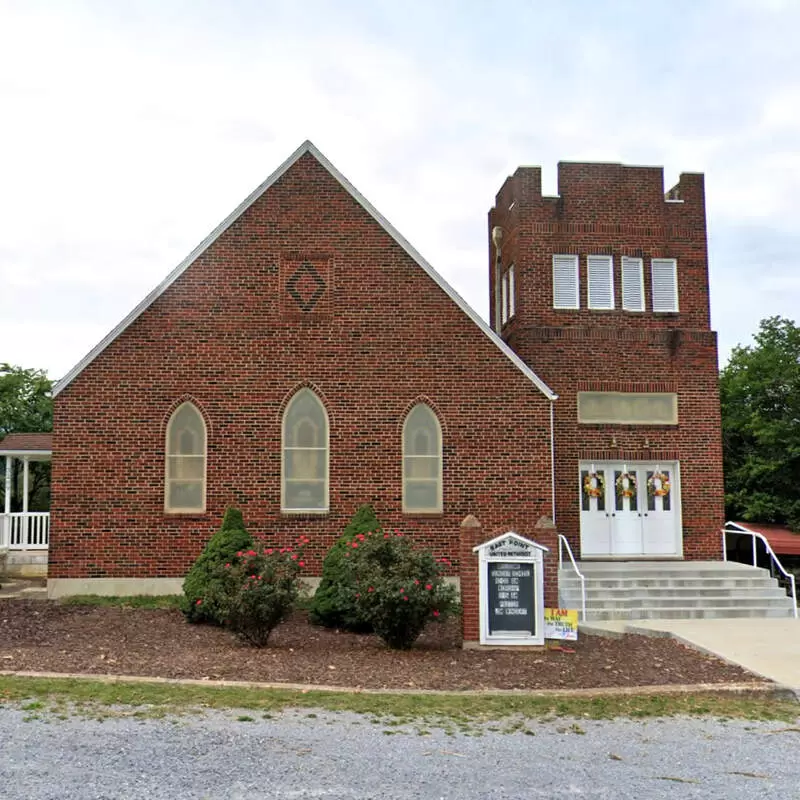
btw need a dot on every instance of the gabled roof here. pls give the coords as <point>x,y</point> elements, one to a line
<point>26,443</point>
<point>782,540</point>
<point>306,147</point>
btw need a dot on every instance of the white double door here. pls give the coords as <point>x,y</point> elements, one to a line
<point>629,509</point>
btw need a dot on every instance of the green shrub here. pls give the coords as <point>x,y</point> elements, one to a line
<point>202,579</point>
<point>397,589</point>
<point>333,604</point>
<point>258,591</point>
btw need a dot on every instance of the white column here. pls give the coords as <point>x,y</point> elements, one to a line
<point>25,520</point>
<point>5,528</point>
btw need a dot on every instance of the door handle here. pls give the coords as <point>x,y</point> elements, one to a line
<point>645,513</point>
<point>614,514</point>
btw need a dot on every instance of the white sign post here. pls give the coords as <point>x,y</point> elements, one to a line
<point>511,591</point>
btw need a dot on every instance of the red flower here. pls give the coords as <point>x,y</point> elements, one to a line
<point>435,613</point>
<point>294,557</point>
<point>355,544</point>
<point>404,597</point>
<point>416,582</point>
<point>385,535</point>
<point>251,552</point>
<point>302,563</point>
<point>239,554</point>
<point>268,552</point>
<point>371,589</point>
<point>199,602</point>
<point>402,591</point>
<point>358,595</point>
<point>360,537</point>
<point>227,566</point>
<point>428,586</point>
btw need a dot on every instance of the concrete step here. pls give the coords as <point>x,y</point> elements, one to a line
<point>709,612</point>
<point>748,601</point>
<point>571,581</point>
<point>673,590</point>
<point>658,566</point>
<point>671,574</point>
<point>702,590</point>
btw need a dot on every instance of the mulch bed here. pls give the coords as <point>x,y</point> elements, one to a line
<point>46,636</point>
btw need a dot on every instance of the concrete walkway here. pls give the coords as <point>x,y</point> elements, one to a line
<point>767,647</point>
<point>30,588</point>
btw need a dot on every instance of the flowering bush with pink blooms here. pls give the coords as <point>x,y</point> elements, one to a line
<point>258,590</point>
<point>397,588</point>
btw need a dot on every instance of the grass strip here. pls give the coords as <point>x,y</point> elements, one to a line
<point>408,707</point>
<point>166,601</point>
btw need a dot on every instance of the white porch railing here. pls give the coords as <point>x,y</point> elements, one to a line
<point>741,530</point>
<point>28,531</point>
<point>562,542</point>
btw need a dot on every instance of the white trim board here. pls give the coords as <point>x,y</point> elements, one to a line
<point>306,147</point>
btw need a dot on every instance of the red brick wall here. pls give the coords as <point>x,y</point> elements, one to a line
<point>229,335</point>
<point>615,210</point>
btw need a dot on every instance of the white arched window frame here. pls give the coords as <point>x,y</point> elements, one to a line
<point>186,456</point>
<point>422,461</point>
<point>305,462</point>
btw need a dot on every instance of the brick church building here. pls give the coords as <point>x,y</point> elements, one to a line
<point>304,359</point>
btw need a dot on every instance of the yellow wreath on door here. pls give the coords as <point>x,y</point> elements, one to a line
<point>597,490</point>
<point>663,478</point>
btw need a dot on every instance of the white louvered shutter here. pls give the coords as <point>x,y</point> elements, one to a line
<point>504,299</point>
<point>632,284</point>
<point>665,284</point>
<point>565,282</point>
<point>600,274</point>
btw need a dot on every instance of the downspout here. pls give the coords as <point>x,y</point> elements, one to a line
<point>553,459</point>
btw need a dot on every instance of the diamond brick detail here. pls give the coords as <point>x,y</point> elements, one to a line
<point>306,286</point>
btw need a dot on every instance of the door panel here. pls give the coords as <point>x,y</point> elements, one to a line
<point>595,517</point>
<point>626,519</point>
<point>659,519</point>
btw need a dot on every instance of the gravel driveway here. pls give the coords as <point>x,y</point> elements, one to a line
<point>299,754</point>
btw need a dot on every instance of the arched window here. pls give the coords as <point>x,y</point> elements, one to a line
<point>185,486</point>
<point>422,461</point>
<point>304,484</point>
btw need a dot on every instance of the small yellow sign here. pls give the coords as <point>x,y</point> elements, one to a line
<point>561,623</point>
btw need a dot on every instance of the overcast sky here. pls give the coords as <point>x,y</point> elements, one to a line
<point>128,130</point>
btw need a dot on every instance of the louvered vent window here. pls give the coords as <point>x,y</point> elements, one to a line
<point>665,284</point>
<point>600,275</point>
<point>507,295</point>
<point>632,284</point>
<point>565,282</point>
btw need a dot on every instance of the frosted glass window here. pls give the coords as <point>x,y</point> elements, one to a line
<point>185,485</point>
<point>422,461</point>
<point>628,408</point>
<point>305,454</point>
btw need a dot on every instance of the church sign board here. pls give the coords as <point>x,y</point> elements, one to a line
<point>511,591</point>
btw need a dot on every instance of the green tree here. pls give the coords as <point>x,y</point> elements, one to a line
<point>26,406</point>
<point>760,396</point>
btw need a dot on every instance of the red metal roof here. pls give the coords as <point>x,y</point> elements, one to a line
<point>780,538</point>
<point>28,442</point>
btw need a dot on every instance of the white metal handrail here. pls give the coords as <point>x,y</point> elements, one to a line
<point>562,541</point>
<point>733,527</point>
